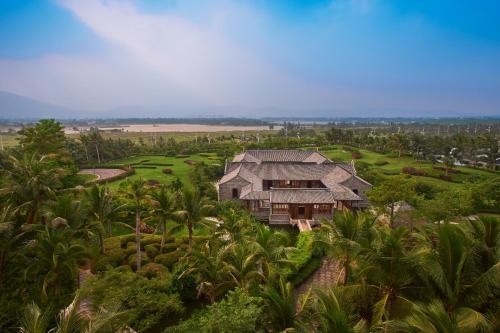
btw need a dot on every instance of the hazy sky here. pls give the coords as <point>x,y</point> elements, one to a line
<point>255,58</point>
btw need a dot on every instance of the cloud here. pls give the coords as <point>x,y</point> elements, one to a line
<point>233,60</point>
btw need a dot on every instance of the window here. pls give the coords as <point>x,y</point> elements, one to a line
<point>322,209</point>
<point>280,208</point>
<point>355,191</point>
<point>235,193</point>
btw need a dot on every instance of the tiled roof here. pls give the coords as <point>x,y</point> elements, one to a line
<point>285,155</point>
<point>289,171</point>
<point>298,196</point>
<point>256,195</point>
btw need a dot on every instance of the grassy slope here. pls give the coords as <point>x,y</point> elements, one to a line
<point>396,164</point>
<point>180,168</point>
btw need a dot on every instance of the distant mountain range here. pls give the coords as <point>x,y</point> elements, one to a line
<point>14,106</point>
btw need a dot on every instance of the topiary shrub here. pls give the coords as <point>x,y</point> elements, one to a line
<point>131,248</point>
<point>153,270</point>
<point>150,239</point>
<point>356,154</point>
<point>413,171</point>
<point>380,162</point>
<point>168,259</point>
<point>133,262</point>
<point>112,243</point>
<point>125,239</point>
<point>153,182</point>
<point>112,258</point>
<point>152,250</point>
<point>169,247</point>
<point>167,171</point>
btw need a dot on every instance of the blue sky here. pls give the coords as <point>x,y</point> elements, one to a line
<point>255,58</point>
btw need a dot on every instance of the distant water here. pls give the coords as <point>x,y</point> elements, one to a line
<point>176,128</point>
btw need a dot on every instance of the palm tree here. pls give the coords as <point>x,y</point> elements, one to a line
<point>342,236</point>
<point>193,211</point>
<point>164,207</point>
<point>102,210</point>
<point>209,265</point>
<point>241,263</point>
<point>55,264</point>
<point>280,304</point>
<point>272,249</point>
<point>434,318</point>
<point>452,272</point>
<point>137,192</point>
<point>31,181</point>
<point>332,311</point>
<point>71,319</point>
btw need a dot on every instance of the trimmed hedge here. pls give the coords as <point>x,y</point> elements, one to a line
<point>152,250</point>
<point>168,259</point>
<point>167,171</point>
<point>153,270</point>
<point>380,162</point>
<point>133,262</point>
<point>182,156</point>
<point>413,171</point>
<point>144,167</point>
<point>306,271</point>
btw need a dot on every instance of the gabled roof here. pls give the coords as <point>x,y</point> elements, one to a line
<point>284,155</point>
<point>301,196</point>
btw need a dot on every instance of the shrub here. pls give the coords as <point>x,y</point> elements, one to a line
<point>152,250</point>
<point>150,239</point>
<point>146,301</point>
<point>204,155</point>
<point>168,259</point>
<point>158,164</point>
<point>182,156</point>
<point>153,270</point>
<point>413,171</point>
<point>356,154</point>
<point>450,170</point>
<point>133,262</point>
<point>307,270</point>
<point>390,172</point>
<point>189,162</point>
<point>152,182</point>
<point>169,247</point>
<point>167,171</point>
<point>131,248</point>
<point>446,178</point>
<point>380,162</point>
<point>238,312</point>
<point>112,258</point>
<point>125,239</point>
<point>144,167</point>
<point>428,191</point>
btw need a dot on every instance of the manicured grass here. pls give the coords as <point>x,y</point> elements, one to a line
<point>179,167</point>
<point>395,165</point>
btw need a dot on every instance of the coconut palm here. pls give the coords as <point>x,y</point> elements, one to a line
<point>164,206</point>
<point>194,208</point>
<point>241,263</point>
<point>55,263</point>
<point>73,318</point>
<point>343,236</point>
<point>280,304</point>
<point>272,249</point>
<point>31,181</point>
<point>332,311</point>
<point>213,273</point>
<point>452,272</point>
<point>102,209</point>
<point>434,318</point>
<point>136,191</point>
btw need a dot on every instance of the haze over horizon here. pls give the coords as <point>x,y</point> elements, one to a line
<point>336,58</point>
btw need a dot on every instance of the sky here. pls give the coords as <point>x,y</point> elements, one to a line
<point>315,58</point>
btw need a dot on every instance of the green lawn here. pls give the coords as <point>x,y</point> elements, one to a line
<point>395,165</point>
<point>180,168</point>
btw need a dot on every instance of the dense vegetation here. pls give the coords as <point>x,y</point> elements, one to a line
<point>166,257</point>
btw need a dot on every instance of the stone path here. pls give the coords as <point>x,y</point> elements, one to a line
<point>85,306</point>
<point>329,274</point>
<point>102,174</point>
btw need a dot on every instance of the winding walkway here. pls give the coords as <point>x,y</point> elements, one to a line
<point>102,174</point>
<point>329,274</point>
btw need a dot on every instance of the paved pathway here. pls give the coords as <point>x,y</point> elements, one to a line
<point>329,274</point>
<point>102,174</point>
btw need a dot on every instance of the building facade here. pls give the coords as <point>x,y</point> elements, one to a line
<point>292,186</point>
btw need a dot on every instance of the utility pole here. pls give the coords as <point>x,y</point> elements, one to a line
<point>1,142</point>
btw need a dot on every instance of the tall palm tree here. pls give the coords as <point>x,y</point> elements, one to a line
<point>31,181</point>
<point>241,263</point>
<point>136,191</point>
<point>164,206</point>
<point>194,208</point>
<point>102,209</point>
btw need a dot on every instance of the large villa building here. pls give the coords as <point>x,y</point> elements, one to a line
<point>296,187</point>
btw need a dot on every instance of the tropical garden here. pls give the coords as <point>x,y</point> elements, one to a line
<point>77,255</point>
